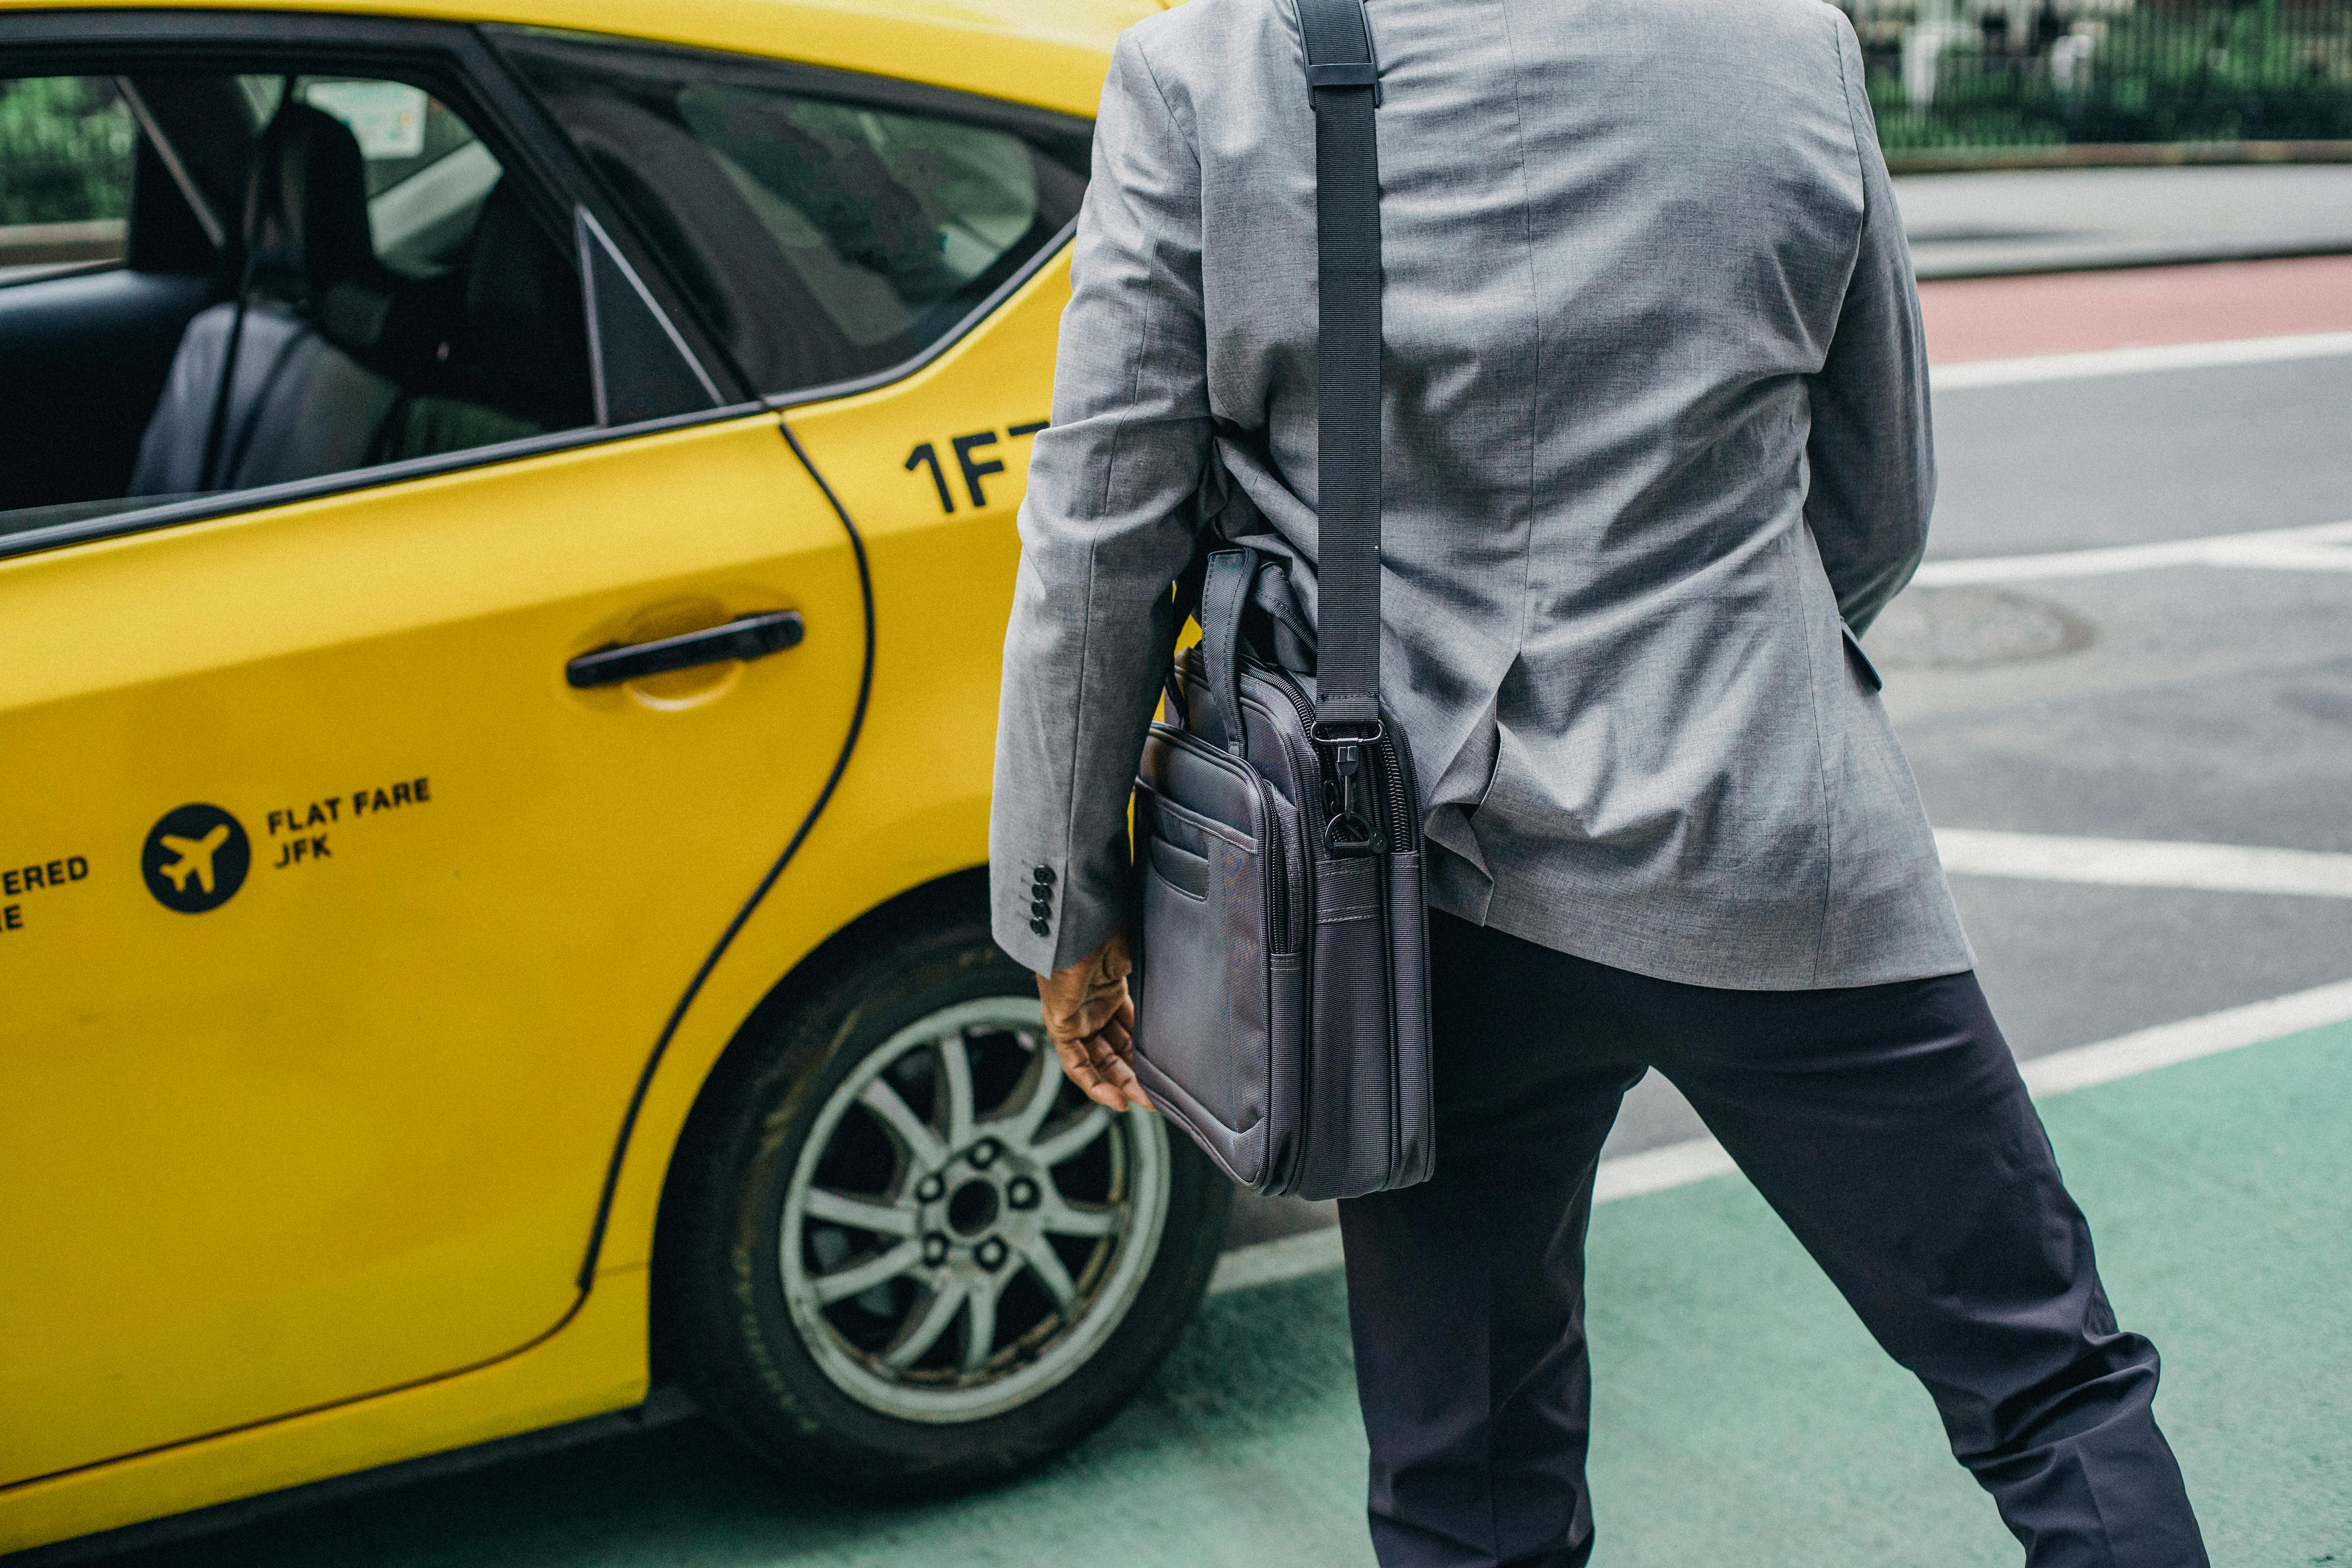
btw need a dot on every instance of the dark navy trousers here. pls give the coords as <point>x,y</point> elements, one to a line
<point>1889,1129</point>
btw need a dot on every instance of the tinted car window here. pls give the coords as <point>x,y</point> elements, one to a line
<point>825,237</point>
<point>399,299</point>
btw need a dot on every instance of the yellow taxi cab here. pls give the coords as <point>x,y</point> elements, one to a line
<point>505,533</point>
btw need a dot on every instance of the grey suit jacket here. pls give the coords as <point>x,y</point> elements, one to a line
<point>1656,436</point>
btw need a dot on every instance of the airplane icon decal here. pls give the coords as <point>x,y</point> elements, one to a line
<point>195,859</point>
<point>195,855</point>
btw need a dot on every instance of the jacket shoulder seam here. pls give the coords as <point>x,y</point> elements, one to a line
<point>1846,89</point>
<point>1134,43</point>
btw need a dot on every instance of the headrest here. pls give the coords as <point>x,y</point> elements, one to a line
<point>306,207</point>
<point>524,328</point>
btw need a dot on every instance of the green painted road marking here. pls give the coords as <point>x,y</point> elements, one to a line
<point>1741,1416</point>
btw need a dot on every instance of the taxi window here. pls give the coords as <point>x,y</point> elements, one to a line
<point>824,237</point>
<point>399,300</point>
<point>66,145</point>
<point>427,173</point>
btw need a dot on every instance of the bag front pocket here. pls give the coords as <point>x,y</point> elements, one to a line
<point>1201,1009</point>
<point>1201,1016</point>
<point>1187,871</point>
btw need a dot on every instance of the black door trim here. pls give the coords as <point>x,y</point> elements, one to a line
<point>759,892</point>
<point>228,503</point>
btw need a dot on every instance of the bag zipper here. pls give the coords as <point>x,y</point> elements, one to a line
<point>1277,881</point>
<point>1280,680</point>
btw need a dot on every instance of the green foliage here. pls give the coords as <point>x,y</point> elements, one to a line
<point>65,150</point>
<point>2247,72</point>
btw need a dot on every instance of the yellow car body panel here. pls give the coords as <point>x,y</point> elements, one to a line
<point>1048,53</point>
<point>596,1364</point>
<point>343,1133</point>
<point>413,1144</point>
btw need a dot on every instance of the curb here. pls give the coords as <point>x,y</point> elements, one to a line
<point>2123,259</point>
<point>2119,156</point>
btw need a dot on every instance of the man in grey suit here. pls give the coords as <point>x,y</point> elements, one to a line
<point>1656,426</point>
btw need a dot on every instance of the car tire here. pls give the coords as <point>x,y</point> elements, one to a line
<point>887,1269</point>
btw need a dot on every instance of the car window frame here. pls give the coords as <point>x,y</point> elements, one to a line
<point>894,94</point>
<point>458,63</point>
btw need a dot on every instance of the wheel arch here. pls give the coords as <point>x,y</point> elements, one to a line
<point>958,893</point>
<point>690,1078</point>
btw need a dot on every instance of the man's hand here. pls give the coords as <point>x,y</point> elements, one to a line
<point>1090,1018</point>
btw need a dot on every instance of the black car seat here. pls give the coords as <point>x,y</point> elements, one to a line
<point>518,365</point>
<point>315,299</point>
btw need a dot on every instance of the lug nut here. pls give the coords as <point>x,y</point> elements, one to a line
<point>984,1153</point>
<point>935,1249</point>
<point>1021,1192</point>
<point>991,1254</point>
<point>929,1189</point>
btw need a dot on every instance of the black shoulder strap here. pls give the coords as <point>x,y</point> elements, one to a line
<point>1343,81</point>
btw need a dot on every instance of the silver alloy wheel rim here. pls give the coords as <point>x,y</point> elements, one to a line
<point>971,1214</point>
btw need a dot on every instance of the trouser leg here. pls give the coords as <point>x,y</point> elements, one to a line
<point>1465,1293</point>
<point>1888,1126</point>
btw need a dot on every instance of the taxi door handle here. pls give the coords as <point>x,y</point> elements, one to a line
<point>751,636</point>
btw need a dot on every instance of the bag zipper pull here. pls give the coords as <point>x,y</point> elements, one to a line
<point>1354,827</point>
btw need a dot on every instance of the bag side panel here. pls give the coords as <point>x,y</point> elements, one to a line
<point>1414,1155</point>
<point>1349,1100</point>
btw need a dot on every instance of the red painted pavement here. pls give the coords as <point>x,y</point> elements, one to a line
<point>2069,312</point>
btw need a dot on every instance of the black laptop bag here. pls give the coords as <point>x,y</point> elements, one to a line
<point>1281,978</point>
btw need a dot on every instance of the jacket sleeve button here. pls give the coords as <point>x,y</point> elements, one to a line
<point>1040,908</point>
<point>1044,875</point>
<point>1040,926</point>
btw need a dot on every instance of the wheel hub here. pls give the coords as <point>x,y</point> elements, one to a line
<point>973,1209</point>
<point>962,1230</point>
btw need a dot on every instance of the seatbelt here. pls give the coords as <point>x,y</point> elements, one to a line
<point>215,428</point>
<point>1343,80</point>
<point>215,431</point>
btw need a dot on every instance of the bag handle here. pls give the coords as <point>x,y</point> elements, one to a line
<point>1224,594</point>
<point>1343,82</point>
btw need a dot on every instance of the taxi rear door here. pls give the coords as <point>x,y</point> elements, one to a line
<point>346,893</point>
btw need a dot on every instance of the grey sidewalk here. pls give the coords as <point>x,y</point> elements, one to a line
<point>2054,220</point>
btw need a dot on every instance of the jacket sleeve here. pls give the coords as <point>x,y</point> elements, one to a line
<point>1872,451</point>
<point>1107,524</point>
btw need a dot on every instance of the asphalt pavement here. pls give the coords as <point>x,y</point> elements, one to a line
<point>2162,699</point>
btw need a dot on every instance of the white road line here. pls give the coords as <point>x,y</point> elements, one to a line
<point>2322,547</point>
<point>2130,361</point>
<point>1271,1262</point>
<point>1681,1164</point>
<point>1655,1170</point>
<point>2166,1045</point>
<point>2143,863</point>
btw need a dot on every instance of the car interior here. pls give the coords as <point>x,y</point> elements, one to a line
<point>316,274</point>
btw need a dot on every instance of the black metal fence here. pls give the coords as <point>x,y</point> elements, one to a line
<point>2032,73</point>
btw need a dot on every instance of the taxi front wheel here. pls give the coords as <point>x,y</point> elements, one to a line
<point>902,1253</point>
